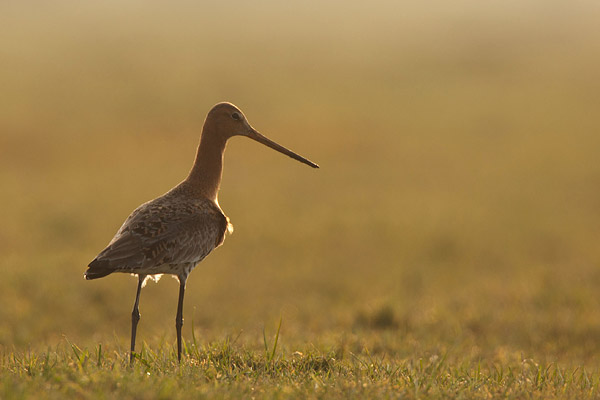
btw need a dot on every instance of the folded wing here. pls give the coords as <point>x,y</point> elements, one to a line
<point>160,237</point>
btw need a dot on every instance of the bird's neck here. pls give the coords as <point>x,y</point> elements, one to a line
<point>205,176</point>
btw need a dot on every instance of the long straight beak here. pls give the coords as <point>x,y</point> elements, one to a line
<point>268,142</point>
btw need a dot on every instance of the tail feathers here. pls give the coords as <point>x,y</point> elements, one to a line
<point>98,269</point>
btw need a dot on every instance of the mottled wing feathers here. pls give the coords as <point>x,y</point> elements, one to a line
<point>166,235</point>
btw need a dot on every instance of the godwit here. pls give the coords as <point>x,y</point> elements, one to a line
<point>174,232</point>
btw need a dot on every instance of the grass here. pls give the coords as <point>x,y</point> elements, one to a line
<point>447,247</point>
<point>223,370</point>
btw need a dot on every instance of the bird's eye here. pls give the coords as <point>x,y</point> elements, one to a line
<point>236,116</point>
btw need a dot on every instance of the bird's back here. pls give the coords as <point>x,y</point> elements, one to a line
<point>168,235</point>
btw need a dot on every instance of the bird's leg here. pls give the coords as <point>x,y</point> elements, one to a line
<point>179,317</point>
<point>135,315</point>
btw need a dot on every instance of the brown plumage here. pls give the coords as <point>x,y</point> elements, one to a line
<point>174,232</point>
<point>168,235</point>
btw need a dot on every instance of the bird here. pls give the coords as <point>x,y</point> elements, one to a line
<point>173,233</point>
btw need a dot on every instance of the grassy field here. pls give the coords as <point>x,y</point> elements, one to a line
<point>447,247</point>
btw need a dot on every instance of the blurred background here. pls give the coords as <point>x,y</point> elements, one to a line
<point>457,205</point>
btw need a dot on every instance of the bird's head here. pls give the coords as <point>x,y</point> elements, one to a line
<point>227,120</point>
